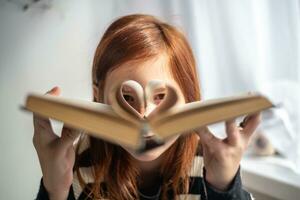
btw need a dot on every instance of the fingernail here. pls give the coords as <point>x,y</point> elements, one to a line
<point>51,90</point>
<point>54,88</point>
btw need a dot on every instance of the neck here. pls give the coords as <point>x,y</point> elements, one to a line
<point>149,172</point>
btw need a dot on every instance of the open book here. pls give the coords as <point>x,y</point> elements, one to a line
<point>126,121</point>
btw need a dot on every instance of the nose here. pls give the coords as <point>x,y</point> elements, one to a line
<point>149,108</point>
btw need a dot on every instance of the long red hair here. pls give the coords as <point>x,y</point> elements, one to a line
<point>141,37</point>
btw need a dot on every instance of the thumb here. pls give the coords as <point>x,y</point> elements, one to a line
<point>54,91</point>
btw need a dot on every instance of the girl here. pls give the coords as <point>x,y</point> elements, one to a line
<point>195,165</point>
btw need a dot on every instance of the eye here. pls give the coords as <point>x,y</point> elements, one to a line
<point>158,98</point>
<point>128,98</point>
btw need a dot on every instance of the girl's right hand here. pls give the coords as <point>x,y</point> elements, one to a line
<point>56,154</point>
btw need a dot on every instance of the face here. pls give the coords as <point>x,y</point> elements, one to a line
<point>143,72</point>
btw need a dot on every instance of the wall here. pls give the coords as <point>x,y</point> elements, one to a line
<point>40,48</point>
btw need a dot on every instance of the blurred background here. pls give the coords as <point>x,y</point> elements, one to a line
<point>240,46</point>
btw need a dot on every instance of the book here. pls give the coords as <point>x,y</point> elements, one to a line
<point>125,120</point>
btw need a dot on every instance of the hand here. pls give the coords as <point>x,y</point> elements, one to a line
<point>222,156</point>
<point>56,154</point>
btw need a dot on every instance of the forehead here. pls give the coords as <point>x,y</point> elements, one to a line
<point>142,72</point>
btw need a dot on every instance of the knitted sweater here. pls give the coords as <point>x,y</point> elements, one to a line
<point>199,187</point>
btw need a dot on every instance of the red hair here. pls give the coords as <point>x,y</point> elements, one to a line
<point>138,38</point>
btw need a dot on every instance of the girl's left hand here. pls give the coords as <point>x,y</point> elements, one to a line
<point>222,156</point>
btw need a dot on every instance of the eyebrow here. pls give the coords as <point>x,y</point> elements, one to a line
<point>127,89</point>
<point>161,89</point>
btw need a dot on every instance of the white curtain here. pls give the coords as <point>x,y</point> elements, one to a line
<point>240,46</point>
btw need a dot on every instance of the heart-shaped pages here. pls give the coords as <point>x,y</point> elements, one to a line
<point>131,102</point>
<point>140,104</point>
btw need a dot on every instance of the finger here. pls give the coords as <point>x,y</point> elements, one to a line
<point>209,143</point>
<point>69,135</point>
<point>40,122</point>
<point>43,132</point>
<point>232,132</point>
<point>243,123</point>
<point>251,124</point>
<point>206,137</point>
